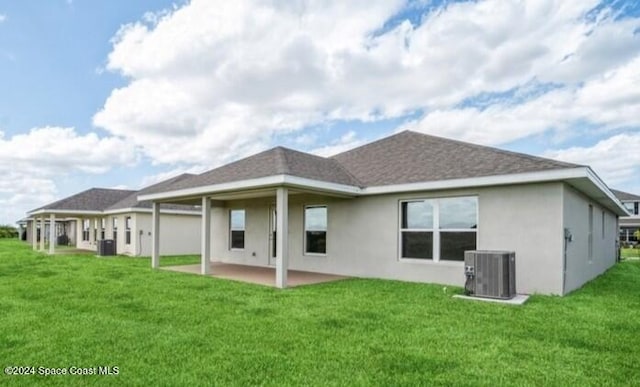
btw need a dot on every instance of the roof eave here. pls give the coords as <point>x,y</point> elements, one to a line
<point>257,183</point>
<point>45,211</point>
<point>568,175</point>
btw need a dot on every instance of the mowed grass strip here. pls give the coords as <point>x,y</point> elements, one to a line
<point>167,328</point>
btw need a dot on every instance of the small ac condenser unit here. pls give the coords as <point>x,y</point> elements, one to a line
<point>490,274</point>
<point>106,247</point>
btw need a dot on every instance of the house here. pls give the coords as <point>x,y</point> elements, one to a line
<point>83,219</point>
<point>629,224</point>
<point>405,207</point>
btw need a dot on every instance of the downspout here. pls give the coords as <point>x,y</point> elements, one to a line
<point>567,238</point>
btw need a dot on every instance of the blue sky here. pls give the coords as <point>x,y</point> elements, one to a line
<point>124,94</point>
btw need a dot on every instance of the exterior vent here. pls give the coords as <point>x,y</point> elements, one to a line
<point>490,274</point>
<point>106,247</point>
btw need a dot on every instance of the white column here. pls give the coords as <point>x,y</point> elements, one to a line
<point>205,257</point>
<point>42,232</point>
<point>34,232</point>
<point>52,234</point>
<point>282,237</point>
<point>155,235</point>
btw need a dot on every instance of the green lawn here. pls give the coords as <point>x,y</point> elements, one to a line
<point>630,253</point>
<point>166,328</point>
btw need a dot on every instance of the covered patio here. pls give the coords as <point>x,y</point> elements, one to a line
<point>256,274</point>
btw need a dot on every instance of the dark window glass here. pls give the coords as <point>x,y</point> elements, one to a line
<point>454,244</point>
<point>317,242</point>
<point>237,227</point>
<point>417,244</point>
<point>315,225</point>
<point>127,229</point>
<point>237,239</point>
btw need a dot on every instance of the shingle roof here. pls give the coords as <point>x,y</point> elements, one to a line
<point>131,201</point>
<point>94,199</point>
<point>411,157</point>
<point>406,157</point>
<point>621,195</point>
<point>276,161</point>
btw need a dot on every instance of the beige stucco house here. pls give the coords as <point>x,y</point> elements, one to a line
<point>83,219</point>
<point>405,207</point>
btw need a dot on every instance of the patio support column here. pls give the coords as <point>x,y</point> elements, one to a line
<point>42,232</point>
<point>282,237</point>
<point>205,263</point>
<point>155,235</point>
<point>34,233</point>
<point>52,234</point>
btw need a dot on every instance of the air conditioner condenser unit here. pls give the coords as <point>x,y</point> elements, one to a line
<point>490,274</point>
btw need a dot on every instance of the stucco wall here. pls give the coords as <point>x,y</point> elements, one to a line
<point>179,234</point>
<point>526,219</point>
<point>580,268</point>
<point>363,235</point>
<point>90,244</point>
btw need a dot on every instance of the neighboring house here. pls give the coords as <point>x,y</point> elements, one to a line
<point>629,225</point>
<point>405,207</point>
<point>82,220</point>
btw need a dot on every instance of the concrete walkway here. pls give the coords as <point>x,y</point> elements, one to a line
<point>256,274</point>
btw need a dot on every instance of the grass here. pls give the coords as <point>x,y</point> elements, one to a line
<point>627,253</point>
<point>167,328</point>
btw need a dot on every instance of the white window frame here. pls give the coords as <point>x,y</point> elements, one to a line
<point>436,230</point>
<point>127,230</point>
<point>86,230</point>
<point>244,230</point>
<point>304,230</point>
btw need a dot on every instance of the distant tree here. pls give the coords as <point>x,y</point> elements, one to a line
<point>7,231</point>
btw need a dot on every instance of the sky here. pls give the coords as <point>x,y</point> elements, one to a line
<point>123,94</point>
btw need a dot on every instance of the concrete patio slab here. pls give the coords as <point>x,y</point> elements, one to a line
<point>256,275</point>
<point>519,299</point>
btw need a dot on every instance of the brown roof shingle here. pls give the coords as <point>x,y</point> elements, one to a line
<point>411,157</point>
<point>275,161</point>
<point>131,201</point>
<point>625,196</point>
<point>94,199</point>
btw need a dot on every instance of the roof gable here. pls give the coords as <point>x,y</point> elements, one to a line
<point>625,196</point>
<point>275,161</point>
<point>131,201</point>
<point>411,157</point>
<point>94,199</point>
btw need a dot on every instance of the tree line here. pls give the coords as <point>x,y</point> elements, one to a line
<point>7,231</point>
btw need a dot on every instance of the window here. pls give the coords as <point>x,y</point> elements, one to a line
<point>115,228</point>
<point>438,229</point>
<point>636,208</point>
<point>315,229</point>
<point>236,229</point>
<point>417,229</point>
<point>127,230</point>
<point>103,223</point>
<point>95,229</point>
<point>86,225</point>
<point>590,238</point>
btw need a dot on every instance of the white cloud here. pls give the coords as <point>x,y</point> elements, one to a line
<point>209,82</point>
<point>32,163</point>
<point>2,17</point>
<point>344,143</point>
<point>616,159</point>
